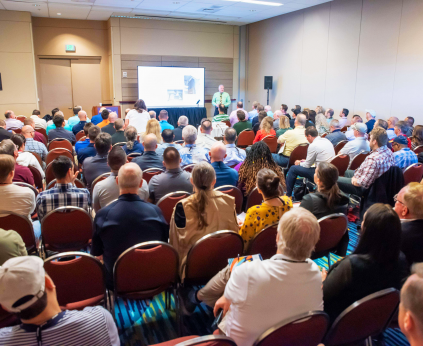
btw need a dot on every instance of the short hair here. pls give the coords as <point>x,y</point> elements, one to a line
<point>240,115</point>
<point>410,121</point>
<point>298,232</point>
<point>87,127</point>
<point>152,114</point>
<point>255,104</point>
<point>402,125</point>
<point>345,111</point>
<point>131,179</point>
<point>171,156</point>
<point>284,107</point>
<point>119,124</point>
<point>58,120</point>
<point>18,139</point>
<point>382,123</point>
<point>7,147</point>
<point>61,166</point>
<point>183,120</point>
<point>335,123</point>
<point>222,108</point>
<point>76,109</point>
<point>359,118</point>
<point>150,142</point>
<point>380,135</point>
<point>268,182</point>
<point>189,134</point>
<point>103,142</point>
<point>261,116</point>
<point>302,119</point>
<point>167,135</point>
<point>116,158</point>
<point>330,111</point>
<point>93,132</point>
<point>54,111</point>
<point>239,104</point>
<point>311,131</point>
<point>206,124</point>
<point>413,199</point>
<point>412,293</point>
<point>7,165</point>
<point>163,113</point>
<point>29,121</point>
<point>260,108</point>
<point>2,123</point>
<point>7,114</point>
<point>36,112</point>
<point>230,135</point>
<point>105,114</point>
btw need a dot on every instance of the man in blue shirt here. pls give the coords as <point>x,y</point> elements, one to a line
<point>336,135</point>
<point>149,159</point>
<point>163,117</point>
<point>89,150</point>
<point>82,116</point>
<point>370,116</point>
<point>190,153</point>
<point>224,174</point>
<point>97,119</point>
<point>168,138</point>
<point>234,155</point>
<point>252,114</point>
<point>403,156</point>
<point>83,144</point>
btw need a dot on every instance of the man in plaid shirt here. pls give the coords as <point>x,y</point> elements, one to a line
<point>403,156</point>
<point>377,163</point>
<point>64,193</point>
<point>31,144</point>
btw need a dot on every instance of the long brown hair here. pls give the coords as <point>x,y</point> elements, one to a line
<point>417,138</point>
<point>140,106</point>
<point>328,176</point>
<point>203,176</point>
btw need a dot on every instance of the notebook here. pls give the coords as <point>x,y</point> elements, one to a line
<point>237,261</point>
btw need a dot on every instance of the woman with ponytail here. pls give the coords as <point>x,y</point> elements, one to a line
<point>204,212</point>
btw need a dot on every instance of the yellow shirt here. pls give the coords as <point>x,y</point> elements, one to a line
<point>261,216</point>
<point>292,139</point>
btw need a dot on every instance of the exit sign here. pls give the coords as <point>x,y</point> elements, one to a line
<point>70,48</point>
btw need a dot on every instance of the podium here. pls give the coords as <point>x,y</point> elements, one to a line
<point>116,109</point>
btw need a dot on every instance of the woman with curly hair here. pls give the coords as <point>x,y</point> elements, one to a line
<point>153,126</point>
<point>257,158</point>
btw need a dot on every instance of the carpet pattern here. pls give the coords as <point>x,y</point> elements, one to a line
<point>147,322</point>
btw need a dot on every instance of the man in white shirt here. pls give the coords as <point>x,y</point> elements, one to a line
<point>11,122</point>
<point>350,133</point>
<point>319,150</point>
<point>233,118</point>
<point>261,294</point>
<point>39,123</point>
<point>204,138</point>
<point>360,143</point>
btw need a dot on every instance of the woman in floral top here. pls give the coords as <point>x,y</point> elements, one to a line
<point>270,211</point>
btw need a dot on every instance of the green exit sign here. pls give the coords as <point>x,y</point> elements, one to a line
<point>70,48</point>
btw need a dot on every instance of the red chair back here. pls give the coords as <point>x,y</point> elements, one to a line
<point>303,330</point>
<point>38,157</point>
<point>365,318</point>
<point>210,254</point>
<point>78,183</point>
<point>38,179</point>
<point>234,192</point>
<point>413,173</point>
<point>168,202</point>
<point>49,176</point>
<point>324,135</point>
<point>145,270</point>
<point>416,150</point>
<point>54,153</point>
<point>264,242</point>
<point>21,118</point>
<point>119,144</point>
<point>189,168</point>
<point>245,138</point>
<point>344,129</point>
<point>358,160</point>
<point>17,130</point>
<point>8,319</point>
<point>272,143</point>
<point>59,143</point>
<point>22,225</point>
<point>66,229</point>
<point>150,173</point>
<point>79,135</point>
<point>43,132</point>
<point>99,178</point>
<point>339,146</point>
<point>227,122</point>
<point>254,198</point>
<point>341,162</point>
<point>130,157</point>
<point>299,153</point>
<point>79,279</point>
<point>332,228</point>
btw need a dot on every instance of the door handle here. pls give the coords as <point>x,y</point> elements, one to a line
<point>70,108</point>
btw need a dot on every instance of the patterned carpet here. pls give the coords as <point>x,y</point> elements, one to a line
<point>147,322</point>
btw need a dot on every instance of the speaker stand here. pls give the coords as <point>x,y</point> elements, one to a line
<point>267,96</point>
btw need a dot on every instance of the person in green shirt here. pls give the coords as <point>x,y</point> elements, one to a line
<point>221,97</point>
<point>222,116</point>
<point>283,125</point>
<point>11,245</point>
<point>242,124</point>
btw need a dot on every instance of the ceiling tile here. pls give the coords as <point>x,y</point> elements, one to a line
<point>40,10</point>
<point>99,15</point>
<point>120,3</point>
<point>239,11</point>
<point>186,15</point>
<point>68,11</point>
<point>149,12</point>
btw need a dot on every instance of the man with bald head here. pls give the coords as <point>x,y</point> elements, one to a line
<point>37,135</point>
<point>392,121</point>
<point>31,144</point>
<point>11,122</point>
<point>127,221</point>
<point>225,175</point>
<point>82,116</point>
<point>110,128</point>
<point>150,159</point>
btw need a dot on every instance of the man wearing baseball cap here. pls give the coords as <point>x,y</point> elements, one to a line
<point>403,156</point>
<point>370,116</point>
<point>359,144</point>
<point>27,291</point>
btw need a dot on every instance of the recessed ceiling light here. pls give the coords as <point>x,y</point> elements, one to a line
<point>59,14</point>
<point>36,5</point>
<point>258,2</point>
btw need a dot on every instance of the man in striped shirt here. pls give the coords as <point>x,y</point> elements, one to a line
<point>43,321</point>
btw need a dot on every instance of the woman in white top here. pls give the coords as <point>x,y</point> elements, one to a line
<point>321,122</point>
<point>25,158</point>
<point>138,117</point>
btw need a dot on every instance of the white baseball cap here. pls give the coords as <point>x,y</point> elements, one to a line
<point>372,112</point>
<point>360,127</point>
<point>20,277</point>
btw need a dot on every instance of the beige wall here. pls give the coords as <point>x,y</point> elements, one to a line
<point>355,54</point>
<point>17,64</point>
<point>90,38</point>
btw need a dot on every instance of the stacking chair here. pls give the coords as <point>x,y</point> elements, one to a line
<point>43,132</point>
<point>413,173</point>
<point>79,280</point>
<point>21,118</point>
<point>38,157</point>
<point>264,242</point>
<point>418,149</point>
<point>358,160</point>
<point>119,144</point>
<point>227,122</point>
<point>179,142</point>
<point>150,173</point>
<point>19,183</point>
<point>208,340</point>
<point>38,180</point>
<point>56,152</point>
<point>79,135</point>
<point>49,176</point>
<point>188,168</point>
<point>272,143</point>
<point>101,177</point>
<point>168,202</point>
<point>59,143</point>
<point>234,192</point>
<point>253,198</point>
<point>339,146</point>
<point>78,183</point>
<point>344,129</point>
<point>341,162</point>
<point>299,153</point>
<point>245,138</point>
<point>132,156</point>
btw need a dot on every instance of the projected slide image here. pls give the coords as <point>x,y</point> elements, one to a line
<point>174,95</point>
<point>189,85</point>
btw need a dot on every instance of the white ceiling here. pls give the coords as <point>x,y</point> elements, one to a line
<point>229,12</point>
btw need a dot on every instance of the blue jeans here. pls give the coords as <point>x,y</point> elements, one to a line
<point>281,160</point>
<point>37,230</point>
<point>293,172</point>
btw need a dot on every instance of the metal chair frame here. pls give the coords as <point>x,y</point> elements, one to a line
<point>53,182</point>
<point>228,187</point>
<point>191,165</point>
<point>57,140</point>
<point>351,161</point>
<point>119,143</point>
<point>414,165</point>
<point>205,339</point>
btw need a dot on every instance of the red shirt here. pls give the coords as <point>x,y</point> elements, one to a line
<point>40,138</point>
<point>261,134</point>
<point>23,174</point>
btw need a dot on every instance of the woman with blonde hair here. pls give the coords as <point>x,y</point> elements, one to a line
<point>283,125</point>
<point>153,126</point>
<point>266,129</point>
<point>322,125</point>
<point>204,212</point>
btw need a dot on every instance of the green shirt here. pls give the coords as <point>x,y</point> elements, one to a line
<point>226,100</point>
<point>280,132</point>
<point>241,126</point>
<point>221,117</point>
<point>11,245</point>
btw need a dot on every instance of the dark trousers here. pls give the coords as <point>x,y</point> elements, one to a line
<point>216,111</point>
<point>347,187</point>
<point>295,171</point>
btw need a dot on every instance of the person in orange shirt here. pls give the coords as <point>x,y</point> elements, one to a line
<point>266,129</point>
<point>105,117</point>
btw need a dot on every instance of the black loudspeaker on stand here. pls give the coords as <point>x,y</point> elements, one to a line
<point>268,82</point>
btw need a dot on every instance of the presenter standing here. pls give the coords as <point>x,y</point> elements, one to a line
<point>221,97</point>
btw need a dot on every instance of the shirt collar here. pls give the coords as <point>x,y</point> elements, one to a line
<point>150,153</point>
<point>219,164</point>
<point>391,129</point>
<point>101,156</point>
<point>129,197</point>
<point>175,170</point>
<point>405,149</point>
<point>64,186</point>
<point>230,145</point>
<point>336,130</point>
<point>190,145</point>
<point>162,121</point>
<point>279,256</point>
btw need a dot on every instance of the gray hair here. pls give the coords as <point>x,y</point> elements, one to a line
<point>302,119</point>
<point>131,136</point>
<point>7,147</point>
<point>335,124</point>
<point>189,134</point>
<point>152,114</point>
<point>183,120</point>
<point>118,124</point>
<point>129,176</point>
<point>230,135</point>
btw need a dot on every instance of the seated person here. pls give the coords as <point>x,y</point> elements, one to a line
<point>64,193</point>
<point>149,159</point>
<point>31,144</point>
<point>283,125</point>
<point>224,175</point>
<point>182,122</point>
<point>89,150</point>
<point>36,305</point>
<point>271,209</point>
<point>403,156</point>
<point>168,138</point>
<point>392,121</point>
<point>21,174</point>
<point>242,123</point>
<point>60,131</point>
<point>255,120</point>
<point>401,129</point>
<point>417,138</point>
<point>222,116</point>
<point>204,212</point>
<point>110,127</point>
<point>127,221</point>
<point>374,265</point>
<point>163,120</point>
<point>119,136</point>
<point>4,134</point>
<point>38,137</point>
<point>343,118</point>
<point>12,123</point>
<point>409,122</point>
<point>350,133</point>
<point>260,117</point>
<point>152,126</point>
<point>132,145</point>
<point>97,119</point>
<point>359,144</point>
<point>172,180</point>
<point>52,126</point>
<point>25,158</point>
<point>266,129</point>
<point>409,207</point>
<point>190,152</point>
<point>83,144</point>
<point>336,135</point>
<point>105,118</point>
<point>72,121</point>
<point>319,150</point>
<point>95,166</point>
<point>79,126</point>
<point>234,155</point>
<point>11,245</point>
<point>39,123</point>
<point>204,138</point>
<point>107,190</point>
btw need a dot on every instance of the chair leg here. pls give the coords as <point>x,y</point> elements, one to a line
<point>177,311</point>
